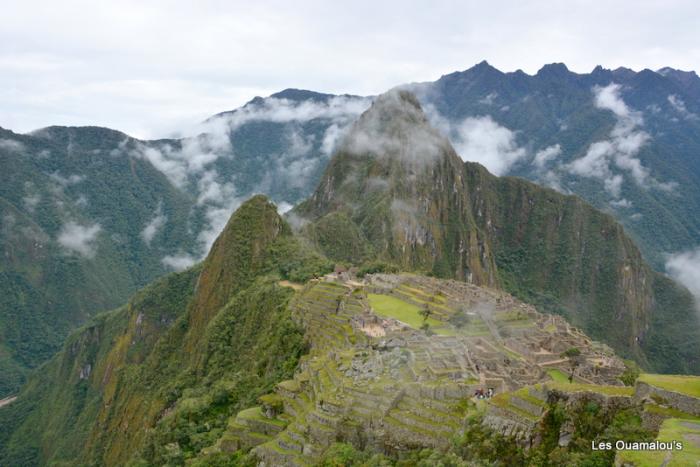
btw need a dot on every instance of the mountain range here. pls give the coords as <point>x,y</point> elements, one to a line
<point>90,215</point>
<point>174,376</point>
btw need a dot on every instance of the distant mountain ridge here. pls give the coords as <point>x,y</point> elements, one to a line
<point>175,375</point>
<point>146,207</point>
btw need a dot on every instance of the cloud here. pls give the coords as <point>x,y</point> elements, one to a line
<point>483,140</point>
<point>621,148</point>
<point>179,262</point>
<point>11,145</point>
<point>544,156</point>
<point>621,203</point>
<point>190,164</point>
<point>489,99</point>
<point>154,225</point>
<point>283,207</point>
<point>216,216</point>
<point>685,268</point>
<point>66,181</point>
<point>395,127</point>
<point>80,239</point>
<point>339,109</point>
<point>330,138</point>
<point>193,156</point>
<point>678,104</point>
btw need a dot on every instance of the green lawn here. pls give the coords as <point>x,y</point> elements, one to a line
<point>558,376</point>
<point>672,429</point>
<point>387,306</point>
<point>689,385</point>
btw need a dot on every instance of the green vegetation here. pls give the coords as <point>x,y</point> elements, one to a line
<point>689,385</point>
<point>241,339</point>
<point>566,386</point>
<point>387,306</point>
<point>375,267</point>
<point>632,372</point>
<point>558,376</point>
<point>672,429</point>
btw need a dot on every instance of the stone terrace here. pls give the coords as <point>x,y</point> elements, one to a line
<point>377,382</point>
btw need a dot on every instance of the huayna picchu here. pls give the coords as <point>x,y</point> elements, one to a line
<point>415,310</point>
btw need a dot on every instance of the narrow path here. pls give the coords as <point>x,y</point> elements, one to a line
<point>7,401</point>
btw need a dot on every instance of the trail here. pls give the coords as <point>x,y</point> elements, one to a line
<point>7,401</point>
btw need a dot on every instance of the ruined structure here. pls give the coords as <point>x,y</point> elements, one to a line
<point>382,378</point>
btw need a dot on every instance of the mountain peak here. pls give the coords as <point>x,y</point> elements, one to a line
<point>293,94</point>
<point>236,256</point>
<point>553,69</point>
<point>395,127</point>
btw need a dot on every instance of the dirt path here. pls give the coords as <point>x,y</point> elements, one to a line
<point>7,401</point>
<point>293,285</point>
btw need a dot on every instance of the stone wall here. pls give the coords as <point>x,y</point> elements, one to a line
<point>682,402</point>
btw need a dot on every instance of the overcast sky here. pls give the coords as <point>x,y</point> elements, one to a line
<point>149,68</point>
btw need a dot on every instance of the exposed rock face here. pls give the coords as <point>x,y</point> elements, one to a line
<point>399,181</point>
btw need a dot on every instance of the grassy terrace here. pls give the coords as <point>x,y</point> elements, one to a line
<point>565,386</point>
<point>689,385</point>
<point>255,413</point>
<point>673,429</point>
<point>391,307</point>
<point>502,400</point>
<point>558,376</point>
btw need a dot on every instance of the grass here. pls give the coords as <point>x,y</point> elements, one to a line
<point>672,429</point>
<point>392,307</point>
<point>689,385</point>
<point>502,400</point>
<point>601,389</point>
<point>669,412</point>
<point>558,376</point>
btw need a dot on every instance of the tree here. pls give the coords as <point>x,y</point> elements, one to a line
<point>574,356</point>
<point>425,312</point>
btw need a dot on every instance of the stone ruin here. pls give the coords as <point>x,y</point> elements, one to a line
<point>380,384</point>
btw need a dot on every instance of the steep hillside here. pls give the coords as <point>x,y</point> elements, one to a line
<point>172,364</point>
<point>641,128</point>
<point>397,190</point>
<point>259,353</point>
<point>72,239</point>
<point>624,141</point>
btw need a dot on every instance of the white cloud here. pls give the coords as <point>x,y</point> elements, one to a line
<point>678,104</point>
<point>483,140</point>
<point>154,225</point>
<point>685,268</point>
<point>194,155</point>
<point>330,138</point>
<point>179,262</point>
<point>80,239</point>
<point>66,181</point>
<point>11,145</point>
<point>544,156</point>
<point>31,201</point>
<point>283,207</point>
<point>395,127</point>
<point>111,70</point>
<point>621,148</point>
<point>339,109</point>
<point>489,99</point>
<point>621,203</point>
